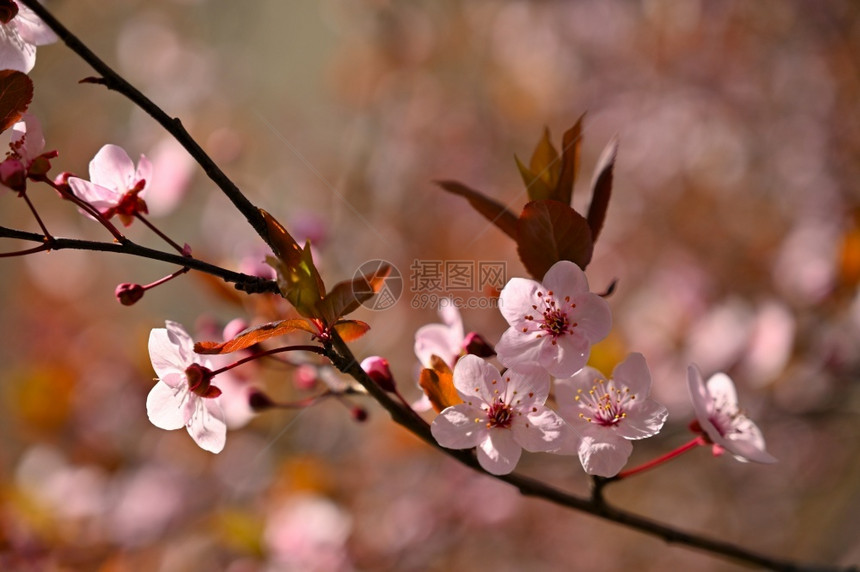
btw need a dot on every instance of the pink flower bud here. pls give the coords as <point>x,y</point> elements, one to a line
<point>259,401</point>
<point>359,414</point>
<point>128,294</point>
<point>305,377</point>
<point>476,345</point>
<point>13,174</point>
<point>377,369</point>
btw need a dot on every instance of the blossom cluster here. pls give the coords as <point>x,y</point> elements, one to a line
<point>544,352</point>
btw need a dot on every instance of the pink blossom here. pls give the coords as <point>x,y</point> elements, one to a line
<point>378,370</point>
<point>26,156</point>
<point>444,340</point>
<point>183,396</point>
<point>20,33</point>
<point>115,187</point>
<point>610,413</point>
<point>500,415</point>
<point>716,406</point>
<point>552,324</point>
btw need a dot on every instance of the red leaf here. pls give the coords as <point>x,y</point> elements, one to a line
<point>255,335</point>
<point>549,231</point>
<point>347,296</point>
<point>601,188</point>
<point>492,210</point>
<point>16,93</point>
<point>298,278</point>
<point>571,146</point>
<point>351,330</point>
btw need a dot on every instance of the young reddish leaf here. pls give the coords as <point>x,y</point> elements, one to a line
<point>438,385</point>
<point>255,335</point>
<point>537,188</point>
<point>571,146</point>
<point>16,93</point>
<point>601,188</point>
<point>493,211</point>
<point>545,163</point>
<point>298,278</point>
<point>549,231</point>
<point>350,330</point>
<point>347,296</point>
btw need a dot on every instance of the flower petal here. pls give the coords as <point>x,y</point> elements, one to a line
<point>164,354</point>
<point>207,426</point>
<point>112,168</point>
<point>436,339</point>
<point>747,444</point>
<point>539,431</point>
<point>498,454</point>
<point>565,278</point>
<point>633,373</point>
<point>32,29</point>
<point>592,316</point>
<point>456,428</point>
<point>15,53</point>
<point>476,378</point>
<point>164,407</point>
<point>519,351</point>
<point>566,356</point>
<point>722,391</point>
<point>604,457</point>
<point>516,300</point>
<point>644,419</point>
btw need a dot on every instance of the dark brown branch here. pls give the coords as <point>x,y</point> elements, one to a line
<point>243,282</point>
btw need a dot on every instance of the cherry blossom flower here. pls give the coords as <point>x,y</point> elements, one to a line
<point>444,340</point>
<point>552,324</point>
<point>500,415</point>
<point>609,414</point>
<point>20,32</point>
<point>716,406</point>
<point>183,396</point>
<point>26,157</point>
<point>115,187</point>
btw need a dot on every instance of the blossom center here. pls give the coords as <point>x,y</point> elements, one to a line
<point>499,415</point>
<point>726,419</point>
<point>200,381</point>
<point>606,404</point>
<point>556,321</point>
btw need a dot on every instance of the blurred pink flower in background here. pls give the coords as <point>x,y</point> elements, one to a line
<point>308,533</point>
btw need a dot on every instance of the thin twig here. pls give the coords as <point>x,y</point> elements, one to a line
<point>243,282</point>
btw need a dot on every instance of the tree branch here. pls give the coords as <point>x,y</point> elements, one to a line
<point>243,282</point>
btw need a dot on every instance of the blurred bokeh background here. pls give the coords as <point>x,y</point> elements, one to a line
<point>734,233</point>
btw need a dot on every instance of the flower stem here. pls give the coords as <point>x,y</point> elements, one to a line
<point>47,234</point>
<point>304,348</point>
<point>163,236</point>
<point>699,440</point>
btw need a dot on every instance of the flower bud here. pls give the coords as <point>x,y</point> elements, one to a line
<point>359,414</point>
<point>128,294</point>
<point>13,174</point>
<point>476,345</point>
<point>259,401</point>
<point>377,369</point>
